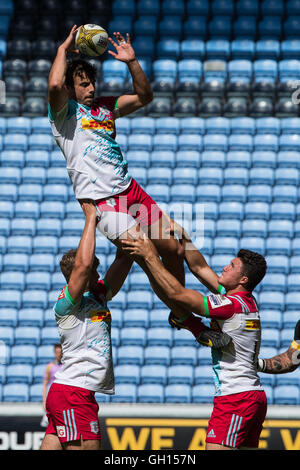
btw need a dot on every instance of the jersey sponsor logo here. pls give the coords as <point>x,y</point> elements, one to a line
<point>218,300</point>
<point>100,315</point>
<point>252,325</point>
<point>107,125</point>
<point>61,431</point>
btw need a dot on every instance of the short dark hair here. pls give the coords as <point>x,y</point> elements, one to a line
<point>254,267</point>
<point>67,263</point>
<point>78,67</point>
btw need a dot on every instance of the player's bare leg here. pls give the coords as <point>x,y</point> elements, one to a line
<point>81,444</point>
<point>51,442</point>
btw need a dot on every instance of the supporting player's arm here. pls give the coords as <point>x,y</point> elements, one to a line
<point>288,361</point>
<point>57,92</point>
<point>172,290</point>
<point>142,89</point>
<point>194,259</point>
<point>85,254</point>
<point>118,271</point>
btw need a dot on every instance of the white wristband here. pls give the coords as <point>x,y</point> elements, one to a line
<point>261,365</point>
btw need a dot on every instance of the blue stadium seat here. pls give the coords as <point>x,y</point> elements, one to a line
<point>203,375</point>
<point>272,300</point>
<point>254,228</point>
<point>127,374</point>
<point>220,27</point>
<point>125,393</point>
<point>228,227</point>
<point>244,26</point>
<point>153,374</point>
<point>236,175</point>
<point>286,176</point>
<point>291,26</point>
<point>290,48</point>
<point>270,337</point>
<point>240,142</point>
<point>288,69</point>
<point>7,333</point>
<point>160,355</point>
<point>15,393</point>
<point>215,142</point>
<point>242,49</point>
<point>286,337</point>
<point>286,395</point>
<point>139,299</point>
<point>170,26</point>
<point>278,264</point>
<point>10,298</point>
<point>8,317</point>
<point>133,336</point>
<point>203,393</point>
<point>146,25</point>
<point>192,48</point>
<point>34,298</point>
<point>278,245</point>
<point>270,27</point>
<point>295,247</point>
<point>217,49</point>
<point>211,175</point>
<point>287,159</point>
<point>118,301</point>
<point>265,159</point>
<point>31,191</point>
<point>285,193</point>
<point>267,49</point>
<point>257,210</point>
<point>243,125</point>
<point>19,244</point>
<point>57,176</point>
<point>15,141</point>
<point>49,335</point>
<point>41,262</point>
<point>280,228</point>
<point>30,317</point>
<point>159,336</point>
<point>12,158</point>
<point>123,7</point>
<point>38,280</point>
<point>183,355</point>
<point>167,48</point>
<point>234,193</point>
<point>130,355</point>
<point>35,392</point>
<point>178,393</point>
<point>295,264</point>
<point>10,175</point>
<point>24,354</point>
<point>289,319</point>
<point>150,393</point>
<point>48,227</point>
<point>240,159</point>
<point>253,243</point>
<point>49,318</point>
<point>15,262</point>
<point>9,280</point>
<point>210,159</point>
<point>180,374</point>
<point>136,318</point>
<point>274,282</point>
<point>158,317</point>
<point>184,337</point>
<point>19,373</point>
<point>271,319</point>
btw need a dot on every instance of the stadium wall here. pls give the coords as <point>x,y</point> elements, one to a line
<point>147,427</point>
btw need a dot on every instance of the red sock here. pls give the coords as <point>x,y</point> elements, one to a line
<point>194,324</point>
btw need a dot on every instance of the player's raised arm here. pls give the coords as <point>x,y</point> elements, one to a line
<point>118,271</point>
<point>57,91</point>
<point>142,89</point>
<point>85,254</point>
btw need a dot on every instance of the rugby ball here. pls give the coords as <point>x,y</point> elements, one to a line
<point>91,40</point>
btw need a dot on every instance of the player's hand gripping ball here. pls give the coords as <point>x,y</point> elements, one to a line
<point>91,40</point>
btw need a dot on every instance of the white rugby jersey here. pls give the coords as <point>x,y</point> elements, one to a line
<point>86,136</point>
<point>234,366</point>
<point>85,334</point>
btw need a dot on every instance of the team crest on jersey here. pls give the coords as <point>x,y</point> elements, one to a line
<point>252,325</point>
<point>61,431</point>
<point>94,427</point>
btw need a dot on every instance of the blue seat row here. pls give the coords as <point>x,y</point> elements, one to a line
<point>152,393</point>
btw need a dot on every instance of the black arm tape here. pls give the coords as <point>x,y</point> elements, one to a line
<point>297,331</point>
